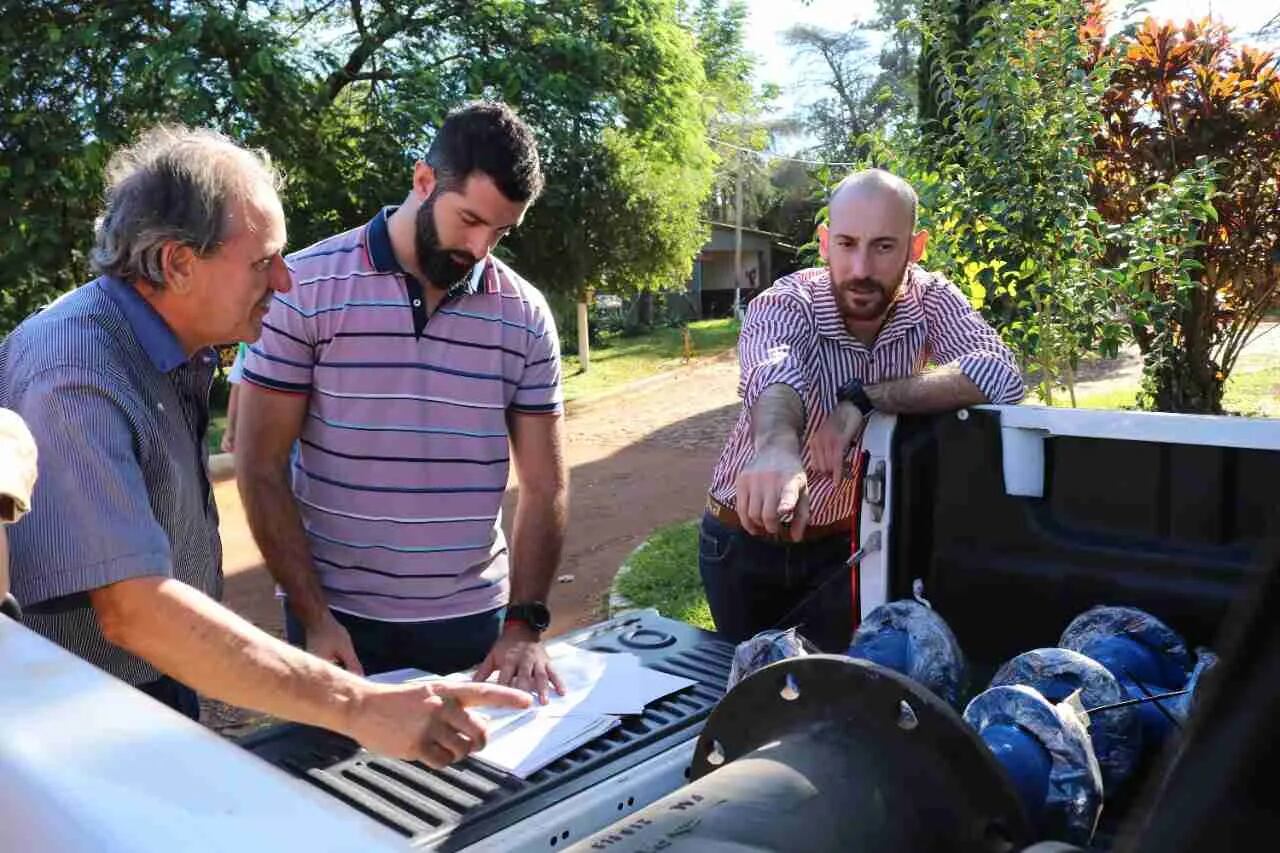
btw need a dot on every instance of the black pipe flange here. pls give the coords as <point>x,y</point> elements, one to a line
<point>825,753</point>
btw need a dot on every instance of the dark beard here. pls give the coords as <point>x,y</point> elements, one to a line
<point>886,294</point>
<point>862,316</point>
<point>437,263</point>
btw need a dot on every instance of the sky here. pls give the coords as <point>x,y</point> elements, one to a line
<point>768,19</point>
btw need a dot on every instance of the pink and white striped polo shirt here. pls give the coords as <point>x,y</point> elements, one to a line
<point>403,459</point>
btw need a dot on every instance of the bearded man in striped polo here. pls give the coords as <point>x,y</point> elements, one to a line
<point>820,351</point>
<point>412,369</point>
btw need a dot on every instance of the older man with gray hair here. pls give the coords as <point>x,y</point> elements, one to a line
<point>119,559</point>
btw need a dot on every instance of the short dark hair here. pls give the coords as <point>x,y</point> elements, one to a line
<point>488,137</point>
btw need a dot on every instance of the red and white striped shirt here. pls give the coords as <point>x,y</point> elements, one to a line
<point>794,335</point>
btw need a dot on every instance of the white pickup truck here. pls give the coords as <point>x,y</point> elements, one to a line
<point>1012,519</point>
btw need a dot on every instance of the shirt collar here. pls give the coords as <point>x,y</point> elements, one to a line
<point>905,313</point>
<point>149,328</point>
<point>383,257</point>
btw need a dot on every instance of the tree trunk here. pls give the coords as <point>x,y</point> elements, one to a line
<point>584,339</point>
<point>644,309</point>
<point>1184,386</point>
<point>1188,379</point>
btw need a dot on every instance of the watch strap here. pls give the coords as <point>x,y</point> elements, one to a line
<point>534,614</point>
<point>854,392</point>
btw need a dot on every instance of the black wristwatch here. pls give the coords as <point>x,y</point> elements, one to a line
<point>853,392</point>
<point>534,614</point>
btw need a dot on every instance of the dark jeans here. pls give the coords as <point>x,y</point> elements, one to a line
<point>175,694</point>
<point>753,583</point>
<point>440,647</point>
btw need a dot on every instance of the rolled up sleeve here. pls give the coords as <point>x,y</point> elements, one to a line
<point>958,335</point>
<point>91,523</point>
<point>775,347</point>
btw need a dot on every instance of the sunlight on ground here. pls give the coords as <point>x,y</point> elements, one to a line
<point>625,360</point>
<point>1255,393</point>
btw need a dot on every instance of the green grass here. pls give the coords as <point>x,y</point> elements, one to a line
<point>664,574</point>
<point>217,426</point>
<point>1124,397</point>
<point>1255,393</point>
<point>625,360</point>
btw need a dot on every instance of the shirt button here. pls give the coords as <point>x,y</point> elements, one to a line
<point>417,303</point>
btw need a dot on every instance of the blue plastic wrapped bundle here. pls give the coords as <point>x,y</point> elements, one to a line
<point>1056,674</point>
<point>1153,653</point>
<point>1047,753</point>
<point>765,648</point>
<point>1145,655</point>
<point>914,640</point>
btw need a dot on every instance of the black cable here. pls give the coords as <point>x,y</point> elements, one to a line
<point>1151,696</point>
<point>873,543</point>
<point>1139,701</point>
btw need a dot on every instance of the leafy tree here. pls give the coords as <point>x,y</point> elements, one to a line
<point>840,118</point>
<point>741,126</point>
<point>895,87</point>
<point>1003,170</point>
<point>719,34</point>
<point>800,192</point>
<point>1188,165</point>
<point>76,80</point>
<point>614,91</point>
<point>344,96</point>
<point>951,27</point>
<point>867,92</point>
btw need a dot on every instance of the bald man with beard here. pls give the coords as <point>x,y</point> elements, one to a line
<point>820,351</point>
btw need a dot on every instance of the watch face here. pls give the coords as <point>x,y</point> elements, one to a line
<point>536,615</point>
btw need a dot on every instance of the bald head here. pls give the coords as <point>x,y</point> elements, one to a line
<point>869,242</point>
<point>875,185</point>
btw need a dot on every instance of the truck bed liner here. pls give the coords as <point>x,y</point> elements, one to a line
<point>460,805</point>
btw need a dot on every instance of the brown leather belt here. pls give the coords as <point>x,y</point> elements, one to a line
<point>728,516</point>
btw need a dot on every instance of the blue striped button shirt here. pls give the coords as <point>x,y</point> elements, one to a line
<point>119,414</point>
<point>794,335</point>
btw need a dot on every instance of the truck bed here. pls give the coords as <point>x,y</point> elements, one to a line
<point>459,806</point>
<point>1011,520</point>
<point>1166,524</point>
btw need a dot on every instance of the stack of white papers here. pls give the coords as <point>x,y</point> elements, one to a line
<point>598,689</point>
